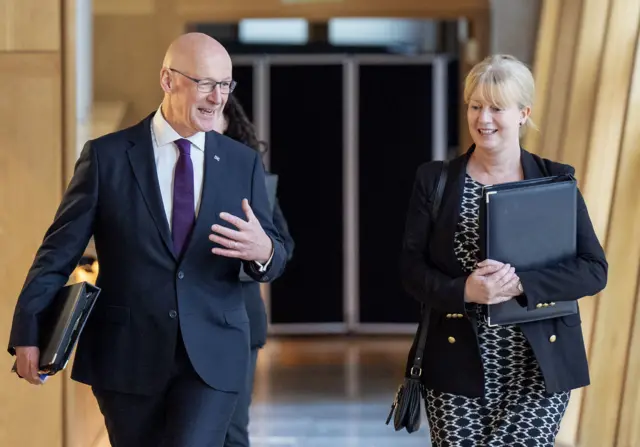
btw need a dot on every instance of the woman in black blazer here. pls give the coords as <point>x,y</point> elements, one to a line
<point>235,124</point>
<point>494,386</point>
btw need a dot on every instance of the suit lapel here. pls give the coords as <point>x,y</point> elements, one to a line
<point>143,164</point>
<point>447,222</point>
<point>530,167</point>
<point>211,184</point>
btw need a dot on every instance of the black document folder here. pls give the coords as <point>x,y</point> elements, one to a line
<point>530,224</point>
<point>62,323</point>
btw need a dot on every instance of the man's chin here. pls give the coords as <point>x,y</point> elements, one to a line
<point>205,125</point>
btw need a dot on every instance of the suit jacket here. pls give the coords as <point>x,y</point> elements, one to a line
<point>253,299</point>
<point>148,293</point>
<point>432,274</point>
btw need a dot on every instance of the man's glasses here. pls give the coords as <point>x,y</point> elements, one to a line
<point>207,85</point>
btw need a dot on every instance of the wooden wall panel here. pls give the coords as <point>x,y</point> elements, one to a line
<point>584,78</point>
<point>586,56</point>
<point>30,176</point>
<point>124,7</point>
<point>545,51</point>
<point>625,242</point>
<point>203,10</point>
<point>128,54</point>
<point>611,98</point>
<point>592,112</point>
<point>609,347</point>
<point>19,19</point>
<point>554,119</point>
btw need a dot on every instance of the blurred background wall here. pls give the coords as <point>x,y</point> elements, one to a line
<point>31,97</point>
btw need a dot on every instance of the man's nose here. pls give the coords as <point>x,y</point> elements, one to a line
<point>216,95</point>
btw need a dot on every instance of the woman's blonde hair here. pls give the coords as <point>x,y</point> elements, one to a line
<point>502,81</point>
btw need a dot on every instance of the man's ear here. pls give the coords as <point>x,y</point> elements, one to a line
<point>166,81</point>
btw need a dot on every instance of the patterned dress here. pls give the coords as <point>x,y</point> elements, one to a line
<point>516,410</point>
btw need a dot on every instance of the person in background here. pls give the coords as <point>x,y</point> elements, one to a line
<point>235,124</point>
<point>505,385</point>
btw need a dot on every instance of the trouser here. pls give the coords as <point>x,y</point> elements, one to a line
<point>187,413</point>
<point>238,433</point>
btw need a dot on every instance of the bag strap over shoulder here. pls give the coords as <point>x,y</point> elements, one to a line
<point>416,368</point>
<point>437,200</point>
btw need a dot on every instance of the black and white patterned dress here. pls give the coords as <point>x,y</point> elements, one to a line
<point>516,410</point>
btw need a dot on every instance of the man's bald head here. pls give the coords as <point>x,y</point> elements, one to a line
<point>193,61</point>
<point>193,49</point>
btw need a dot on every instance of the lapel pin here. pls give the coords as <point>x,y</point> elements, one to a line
<point>216,158</point>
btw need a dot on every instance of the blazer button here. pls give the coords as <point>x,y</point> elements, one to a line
<point>449,316</point>
<point>553,304</point>
<point>180,274</point>
<point>460,316</point>
<point>539,305</point>
<point>552,339</point>
<point>173,314</point>
<point>452,340</point>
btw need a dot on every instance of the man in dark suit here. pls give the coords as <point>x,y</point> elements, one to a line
<point>166,348</point>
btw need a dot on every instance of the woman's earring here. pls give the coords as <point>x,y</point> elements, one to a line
<point>521,123</point>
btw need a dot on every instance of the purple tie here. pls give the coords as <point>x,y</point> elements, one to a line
<point>183,215</point>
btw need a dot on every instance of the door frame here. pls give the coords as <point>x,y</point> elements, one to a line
<point>350,176</point>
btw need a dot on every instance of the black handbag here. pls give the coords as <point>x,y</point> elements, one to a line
<point>406,404</point>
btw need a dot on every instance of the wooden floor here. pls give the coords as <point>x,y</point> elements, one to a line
<point>321,392</point>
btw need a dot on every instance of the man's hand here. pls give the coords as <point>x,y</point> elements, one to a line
<point>249,242</point>
<point>28,359</point>
<point>491,283</point>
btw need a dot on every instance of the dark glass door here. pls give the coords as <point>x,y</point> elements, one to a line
<point>395,135</point>
<point>306,152</point>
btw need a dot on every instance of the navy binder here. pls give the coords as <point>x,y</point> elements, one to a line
<point>530,224</point>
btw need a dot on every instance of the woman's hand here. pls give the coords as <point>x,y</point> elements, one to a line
<point>491,283</point>
<point>512,288</point>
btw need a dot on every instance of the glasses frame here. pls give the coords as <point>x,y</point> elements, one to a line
<point>202,84</point>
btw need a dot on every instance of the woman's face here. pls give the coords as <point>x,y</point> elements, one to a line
<point>493,128</point>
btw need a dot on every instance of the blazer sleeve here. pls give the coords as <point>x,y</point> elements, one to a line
<point>63,245</point>
<point>283,229</point>
<point>262,210</point>
<point>585,275</point>
<point>420,278</point>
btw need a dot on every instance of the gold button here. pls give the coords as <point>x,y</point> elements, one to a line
<point>460,316</point>
<point>552,339</point>
<point>553,304</point>
<point>449,315</point>
<point>452,340</point>
<point>539,305</point>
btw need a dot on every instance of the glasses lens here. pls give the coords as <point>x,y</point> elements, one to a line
<point>225,86</point>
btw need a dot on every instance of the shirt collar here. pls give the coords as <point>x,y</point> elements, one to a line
<point>165,134</point>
